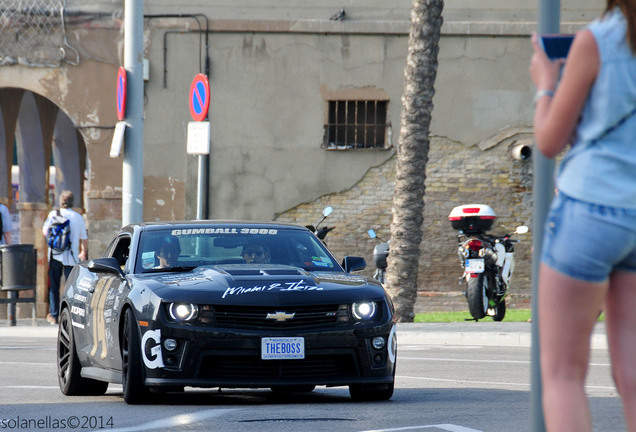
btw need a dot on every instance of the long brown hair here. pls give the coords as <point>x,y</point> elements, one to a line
<point>628,7</point>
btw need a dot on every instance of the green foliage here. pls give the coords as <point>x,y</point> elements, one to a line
<point>512,315</point>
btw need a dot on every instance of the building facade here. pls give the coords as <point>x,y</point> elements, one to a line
<point>304,113</point>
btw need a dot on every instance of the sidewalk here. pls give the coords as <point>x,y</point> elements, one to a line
<point>26,329</point>
<point>485,332</point>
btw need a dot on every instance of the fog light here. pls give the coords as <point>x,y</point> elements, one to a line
<point>378,359</point>
<point>171,360</point>
<point>378,342</point>
<point>170,344</point>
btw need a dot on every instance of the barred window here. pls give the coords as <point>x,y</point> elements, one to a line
<point>356,124</point>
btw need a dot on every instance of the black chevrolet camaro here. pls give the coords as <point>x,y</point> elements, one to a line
<point>223,304</point>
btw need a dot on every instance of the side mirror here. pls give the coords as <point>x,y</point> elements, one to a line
<point>371,234</point>
<point>521,229</point>
<point>353,263</point>
<point>327,211</point>
<point>105,265</point>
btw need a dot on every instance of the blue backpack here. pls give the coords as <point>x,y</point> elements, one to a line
<point>58,238</point>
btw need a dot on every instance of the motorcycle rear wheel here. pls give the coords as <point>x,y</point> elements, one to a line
<point>477,295</point>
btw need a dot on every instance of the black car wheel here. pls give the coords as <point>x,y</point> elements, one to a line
<point>477,295</point>
<point>68,366</point>
<point>135,391</point>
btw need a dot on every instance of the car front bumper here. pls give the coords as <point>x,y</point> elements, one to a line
<point>206,357</point>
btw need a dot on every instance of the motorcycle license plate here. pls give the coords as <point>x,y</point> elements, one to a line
<point>283,348</point>
<point>475,265</point>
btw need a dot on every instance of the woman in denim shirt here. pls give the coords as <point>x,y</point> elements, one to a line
<point>588,260</point>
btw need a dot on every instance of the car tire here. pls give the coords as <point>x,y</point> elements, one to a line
<point>371,393</point>
<point>135,392</point>
<point>68,365</point>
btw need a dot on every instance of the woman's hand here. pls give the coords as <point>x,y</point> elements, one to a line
<point>544,72</point>
<point>556,116</point>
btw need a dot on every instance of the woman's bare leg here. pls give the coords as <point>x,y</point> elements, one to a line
<point>620,315</point>
<point>568,309</point>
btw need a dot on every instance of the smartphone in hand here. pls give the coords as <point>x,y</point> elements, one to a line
<point>556,46</point>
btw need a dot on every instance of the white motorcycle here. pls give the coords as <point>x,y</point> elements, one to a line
<point>488,260</point>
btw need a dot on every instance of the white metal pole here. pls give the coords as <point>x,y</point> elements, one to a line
<point>132,176</point>
<point>543,190</point>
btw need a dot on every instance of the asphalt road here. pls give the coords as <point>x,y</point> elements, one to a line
<point>463,377</point>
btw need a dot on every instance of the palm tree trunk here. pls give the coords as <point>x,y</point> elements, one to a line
<point>412,155</point>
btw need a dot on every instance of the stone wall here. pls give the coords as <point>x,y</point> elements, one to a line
<point>456,174</point>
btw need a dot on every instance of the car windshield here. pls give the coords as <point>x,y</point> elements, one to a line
<point>191,247</point>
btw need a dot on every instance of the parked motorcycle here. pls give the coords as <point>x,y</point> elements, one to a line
<point>380,254</point>
<point>321,233</point>
<point>487,260</point>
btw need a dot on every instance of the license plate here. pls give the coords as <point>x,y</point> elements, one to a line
<point>475,265</point>
<point>283,348</point>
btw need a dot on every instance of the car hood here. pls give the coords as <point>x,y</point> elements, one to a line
<point>261,285</point>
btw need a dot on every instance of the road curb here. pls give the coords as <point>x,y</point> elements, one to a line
<point>471,333</point>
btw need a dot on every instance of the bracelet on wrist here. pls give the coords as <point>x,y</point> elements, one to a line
<point>540,94</point>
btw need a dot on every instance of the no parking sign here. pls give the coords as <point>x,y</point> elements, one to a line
<point>121,94</point>
<point>199,97</point>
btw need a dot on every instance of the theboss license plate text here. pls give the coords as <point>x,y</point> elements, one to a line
<point>282,348</point>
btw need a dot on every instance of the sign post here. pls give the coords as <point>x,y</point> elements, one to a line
<point>132,193</point>
<point>198,142</point>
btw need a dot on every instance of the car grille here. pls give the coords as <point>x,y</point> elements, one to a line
<point>312,367</point>
<point>248,317</point>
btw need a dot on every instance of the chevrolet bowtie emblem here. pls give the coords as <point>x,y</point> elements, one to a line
<point>280,316</point>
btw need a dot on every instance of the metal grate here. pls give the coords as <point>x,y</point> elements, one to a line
<point>256,317</point>
<point>356,124</point>
<point>32,32</point>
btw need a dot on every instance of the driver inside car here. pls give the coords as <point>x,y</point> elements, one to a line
<point>168,252</point>
<point>255,254</point>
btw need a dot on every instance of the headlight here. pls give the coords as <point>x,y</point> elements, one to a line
<point>363,310</point>
<point>182,312</point>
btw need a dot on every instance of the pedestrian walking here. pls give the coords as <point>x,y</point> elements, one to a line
<point>66,236</point>
<point>6,225</point>
<point>588,261</point>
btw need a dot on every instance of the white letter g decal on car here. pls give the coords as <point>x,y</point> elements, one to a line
<point>155,351</point>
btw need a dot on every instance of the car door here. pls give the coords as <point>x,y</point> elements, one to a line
<point>104,301</point>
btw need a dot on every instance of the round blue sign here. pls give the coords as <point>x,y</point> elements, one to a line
<point>199,97</point>
<point>121,94</point>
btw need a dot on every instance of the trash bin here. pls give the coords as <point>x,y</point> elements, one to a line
<point>18,271</point>
<point>18,264</point>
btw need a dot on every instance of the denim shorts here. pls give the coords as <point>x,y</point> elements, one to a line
<point>589,241</point>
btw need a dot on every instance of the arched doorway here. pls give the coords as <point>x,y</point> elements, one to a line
<point>52,157</point>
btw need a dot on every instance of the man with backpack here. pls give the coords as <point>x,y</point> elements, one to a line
<point>5,225</point>
<point>66,237</point>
